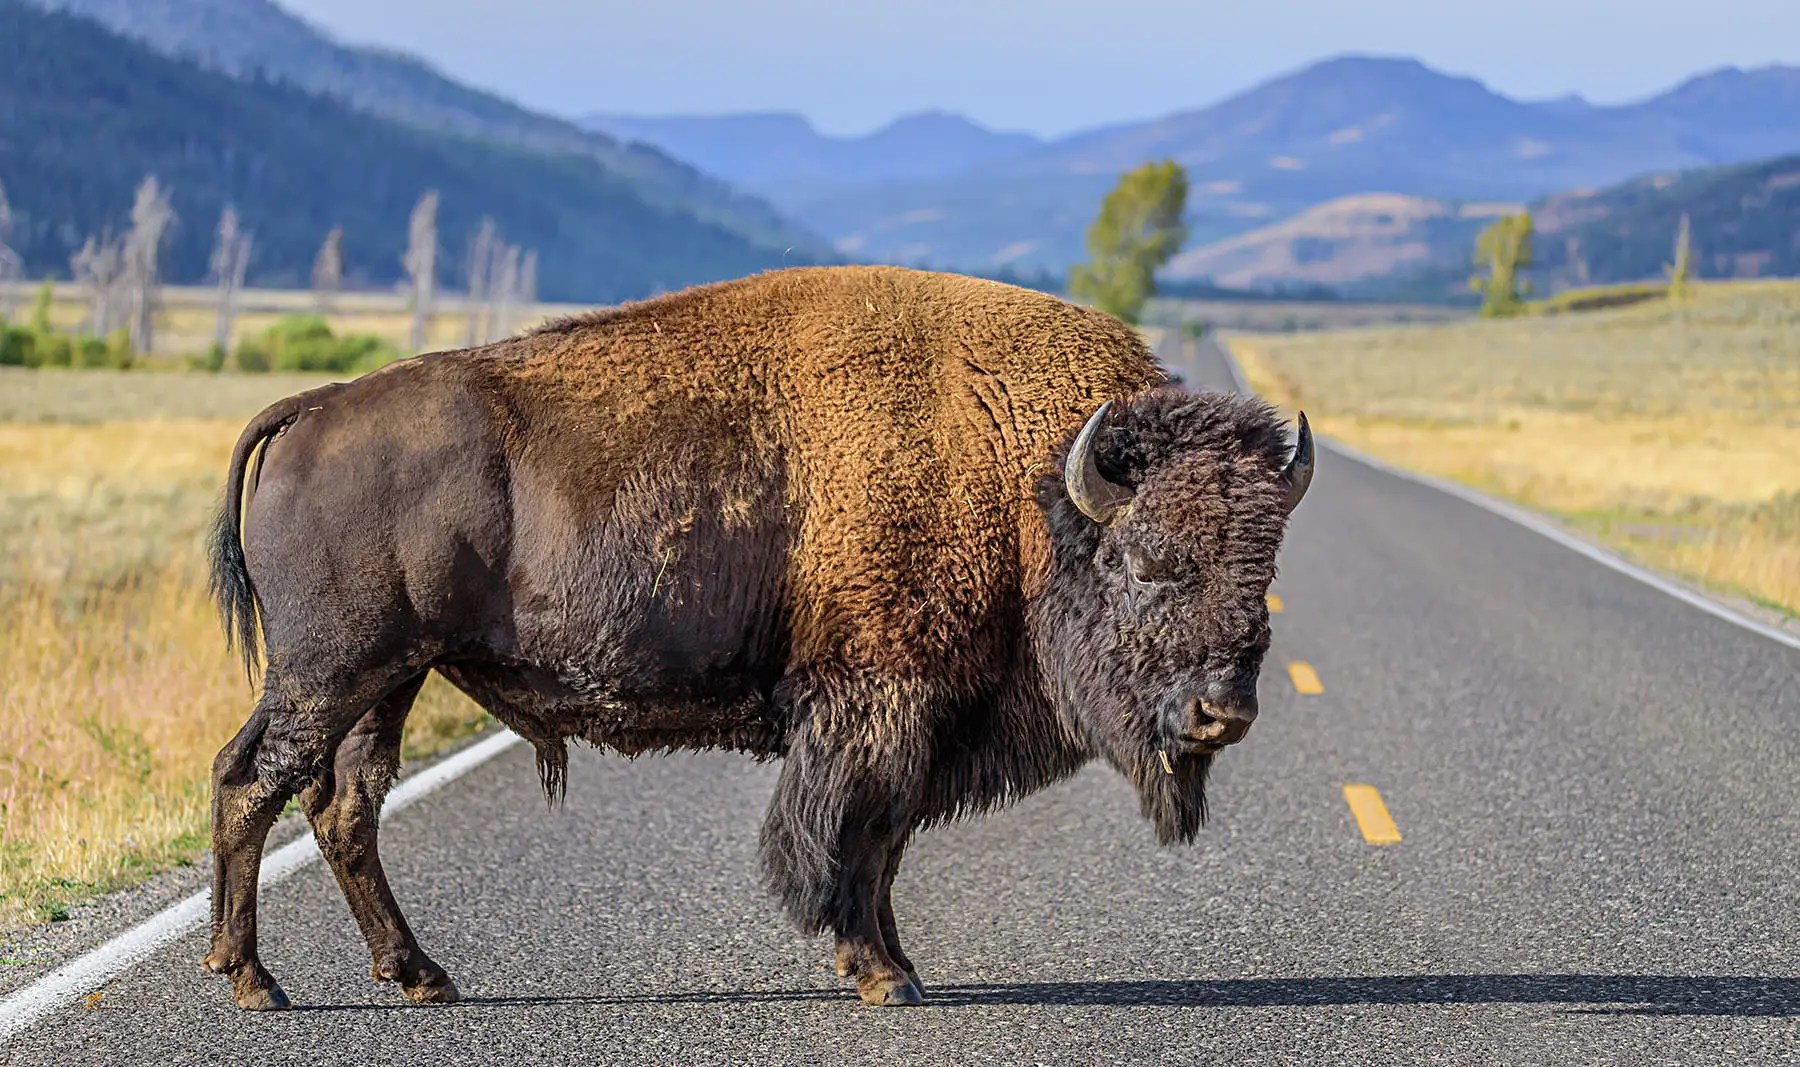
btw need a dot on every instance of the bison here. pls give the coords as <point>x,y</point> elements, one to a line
<point>932,541</point>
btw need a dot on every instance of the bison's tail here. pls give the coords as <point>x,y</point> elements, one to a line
<point>231,586</point>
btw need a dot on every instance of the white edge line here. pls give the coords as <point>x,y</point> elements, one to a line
<point>63,986</point>
<point>1522,517</point>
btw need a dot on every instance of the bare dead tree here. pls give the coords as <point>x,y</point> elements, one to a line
<point>481,254</point>
<point>230,259</point>
<point>100,266</point>
<point>151,215</point>
<point>12,266</point>
<point>420,262</point>
<point>528,284</point>
<point>505,281</point>
<point>328,269</point>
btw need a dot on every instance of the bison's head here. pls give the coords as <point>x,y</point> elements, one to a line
<point>1153,623</point>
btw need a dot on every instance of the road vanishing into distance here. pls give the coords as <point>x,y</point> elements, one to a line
<point>1596,787</point>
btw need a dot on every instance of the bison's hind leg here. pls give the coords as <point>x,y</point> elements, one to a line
<point>243,809</point>
<point>287,744</point>
<point>344,807</point>
<point>253,777</point>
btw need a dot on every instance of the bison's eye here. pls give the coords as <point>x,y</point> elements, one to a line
<point>1143,568</point>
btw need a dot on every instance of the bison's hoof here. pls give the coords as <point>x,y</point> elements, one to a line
<point>440,992</point>
<point>918,985</point>
<point>891,993</point>
<point>263,998</point>
<point>254,988</point>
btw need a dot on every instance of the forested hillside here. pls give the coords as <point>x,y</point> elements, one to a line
<point>1745,223</point>
<point>85,115</point>
<point>238,37</point>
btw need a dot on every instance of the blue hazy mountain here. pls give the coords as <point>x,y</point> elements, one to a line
<point>1350,125</point>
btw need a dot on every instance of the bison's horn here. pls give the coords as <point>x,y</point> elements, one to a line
<point>1097,498</point>
<point>1299,469</point>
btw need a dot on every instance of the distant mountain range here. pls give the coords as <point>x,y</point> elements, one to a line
<point>773,150</point>
<point>956,194</point>
<point>85,114</point>
<point>240,37</point>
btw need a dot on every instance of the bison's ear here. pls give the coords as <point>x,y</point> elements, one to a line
<point>1299,472</point>
<point>1097,498</point>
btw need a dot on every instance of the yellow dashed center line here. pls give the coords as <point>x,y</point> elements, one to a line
<point>1274,603</point>
<point>1306,680</point>
<point>1372,816</point>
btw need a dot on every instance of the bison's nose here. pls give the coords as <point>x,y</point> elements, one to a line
<point>1220,718</point>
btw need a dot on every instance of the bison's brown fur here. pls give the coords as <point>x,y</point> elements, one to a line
<point>815,514</point>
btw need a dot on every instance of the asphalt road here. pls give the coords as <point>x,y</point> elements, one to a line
<point>1597,788</point>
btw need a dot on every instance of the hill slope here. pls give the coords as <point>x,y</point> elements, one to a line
<point>84,114</point>
<point>240,37</point>
<point>1346,244</point>
<point>1745,223</point>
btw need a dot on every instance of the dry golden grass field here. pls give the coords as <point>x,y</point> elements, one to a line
<point>1670,433</point>
<point>1292,316</point>
<point>115,686</point>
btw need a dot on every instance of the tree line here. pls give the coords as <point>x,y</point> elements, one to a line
<point>121,276</point>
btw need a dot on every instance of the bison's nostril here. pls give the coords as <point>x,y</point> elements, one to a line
<point>1211,722</point>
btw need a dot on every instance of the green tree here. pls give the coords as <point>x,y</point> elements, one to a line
<point>1138,230</point>
<point>1502,250</point>
<point>40,306</point>
<point>1682,270</point>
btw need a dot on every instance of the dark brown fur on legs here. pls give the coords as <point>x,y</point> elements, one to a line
<point>847,949</point>
<point>344,807</point>
<point>880,978</point>
<point>244,807</point>
<point>288,743</point>
<point>890,930</point>
<point>841,814</point>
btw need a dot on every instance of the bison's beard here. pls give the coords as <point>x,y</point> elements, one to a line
<point>1174,803</point>
<point>1171,795</point>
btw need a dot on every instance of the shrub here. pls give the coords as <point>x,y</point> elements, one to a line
<point>1600,298</point>
<point>17,347</point>
<point>306,343</point>
<point>92,352</point>
<point>53,350</point>
<point>253,357</point>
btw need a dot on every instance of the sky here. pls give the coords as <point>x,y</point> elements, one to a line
<point>1045,66</point>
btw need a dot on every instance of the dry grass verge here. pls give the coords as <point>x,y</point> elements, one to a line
<point>115,686</point>
<point>1670,433</point>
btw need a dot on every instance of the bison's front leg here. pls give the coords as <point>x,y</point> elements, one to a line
<point>862,946</point>
<point>833,835</point>
<point>890,931</point>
